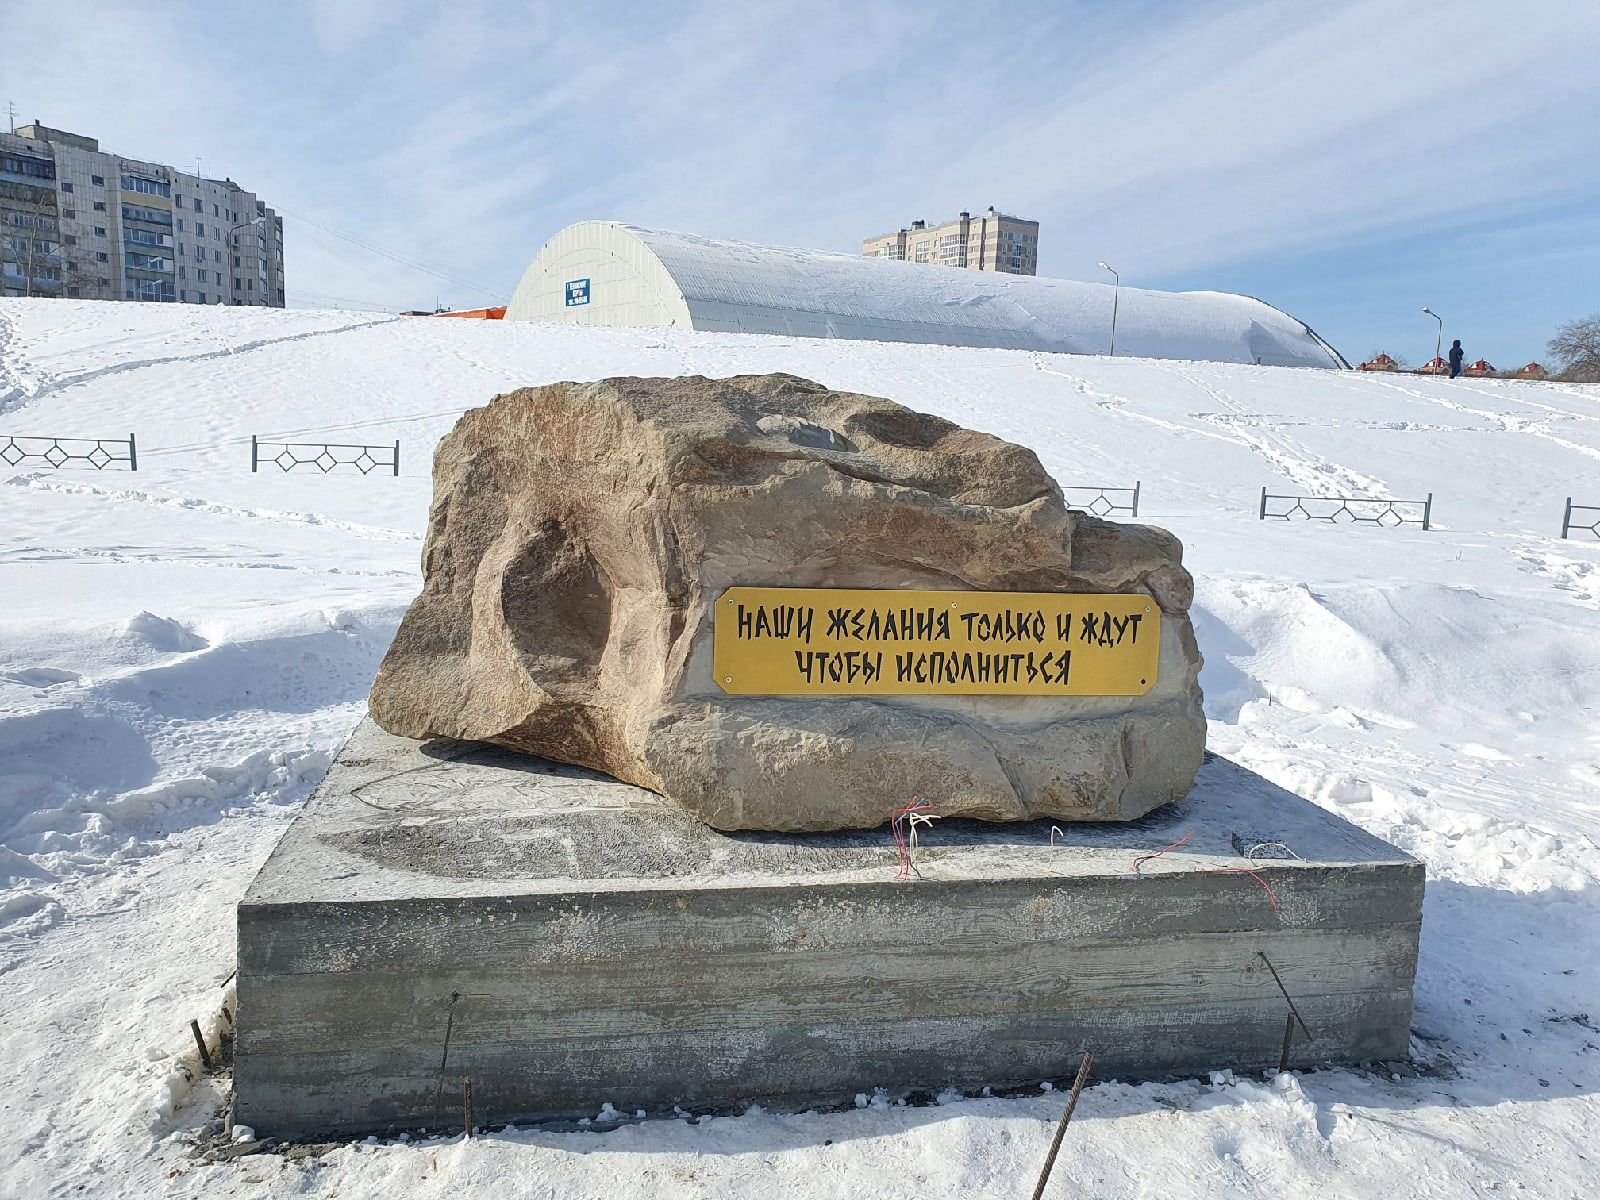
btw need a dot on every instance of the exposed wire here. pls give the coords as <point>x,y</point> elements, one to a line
<point>1293,1009</point>
<point>1243,871</point>
<point>1144,858</point>
<point>903,825</point>
<point>1251,853</point>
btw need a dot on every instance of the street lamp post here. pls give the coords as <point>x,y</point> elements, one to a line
<point>1438,339</point>
<point>1116,295</point>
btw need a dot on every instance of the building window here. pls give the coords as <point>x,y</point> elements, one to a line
<point>199,229</point>
<point>99,206</point>
<point>71,266</point>
<point>100,256</point>
<point>236,260</point>
<point>217,255</point>
<point>99,231</point>
<point>151,289</point>
<point>98,180</point>
<point>70,214</point>
<point>214,212</point>
<point>203,300</point>
<point>200,253</point>
<point>144,237</point>
<point>182,271</point>
<point>145,262</point>
<point>180,224</point>
<point>73,291</point>
<point>148,187</point>
<point>197,204</point>
<point>65,186</point>
<point>69,239</point>
<point>249,285</point>
<point>20,164</point>
<point>154,216</point>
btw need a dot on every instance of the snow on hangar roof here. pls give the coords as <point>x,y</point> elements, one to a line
<point>610,273</point>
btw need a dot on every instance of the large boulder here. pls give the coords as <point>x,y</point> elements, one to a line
<point>581,535</point>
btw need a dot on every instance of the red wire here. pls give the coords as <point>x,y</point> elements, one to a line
<point>1144,858</point>
<point>1244,871</point>
<point>901,842</point>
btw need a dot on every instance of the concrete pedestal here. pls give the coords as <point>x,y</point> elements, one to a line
<point>446,911</point>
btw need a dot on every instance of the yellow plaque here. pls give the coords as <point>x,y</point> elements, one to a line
<point>839,642</point>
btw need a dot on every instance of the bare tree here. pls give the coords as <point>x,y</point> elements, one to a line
<point>1576,350</point>
<point>33,240</point>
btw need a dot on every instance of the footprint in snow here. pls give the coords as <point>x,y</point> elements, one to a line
<point>42,677</point>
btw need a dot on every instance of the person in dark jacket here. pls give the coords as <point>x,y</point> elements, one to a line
<point>1456,355</point>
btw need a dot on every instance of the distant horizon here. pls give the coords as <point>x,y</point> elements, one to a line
<point>1345,163</point>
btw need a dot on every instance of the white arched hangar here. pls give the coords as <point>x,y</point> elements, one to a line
<point>608,273</point>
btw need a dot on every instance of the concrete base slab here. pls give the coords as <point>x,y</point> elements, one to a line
<point>450,911</point>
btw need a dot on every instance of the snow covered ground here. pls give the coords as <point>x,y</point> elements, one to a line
<point>182,650</point>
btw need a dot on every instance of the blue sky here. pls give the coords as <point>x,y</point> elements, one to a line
<point>1347,161</point>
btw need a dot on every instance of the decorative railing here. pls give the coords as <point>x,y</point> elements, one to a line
<point>1102,501</point>
<point>98,453</point>
<point>1568,524</point>
<point>1364,510</point>
<point>324,456</point>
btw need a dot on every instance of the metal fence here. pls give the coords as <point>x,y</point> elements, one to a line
<point>1364,510</point>
<point>96,453</point>
<point>1568,524</point>
<point>324,456</point>
<point>1104,500</point>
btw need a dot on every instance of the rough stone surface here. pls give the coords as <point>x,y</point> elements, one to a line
<point>580,534</point>
<point>444,911</point>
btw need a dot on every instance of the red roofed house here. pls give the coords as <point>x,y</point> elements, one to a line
<point>1381,363</point>
<point>1434,366</point>
<point>1532,371</point>
<point>1481,367</point>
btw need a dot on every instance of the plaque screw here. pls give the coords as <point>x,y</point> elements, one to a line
<point>727,679</point>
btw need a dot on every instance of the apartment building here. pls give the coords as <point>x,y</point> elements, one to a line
<point>79,222</point>
<point>992,241</point>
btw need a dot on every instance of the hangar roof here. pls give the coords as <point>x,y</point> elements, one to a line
<point>645,277</point>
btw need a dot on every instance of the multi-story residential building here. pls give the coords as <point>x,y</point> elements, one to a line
<point>993,241</point>
<point>76,221</point>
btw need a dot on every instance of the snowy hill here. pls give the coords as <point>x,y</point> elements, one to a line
<point>182,650</point>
